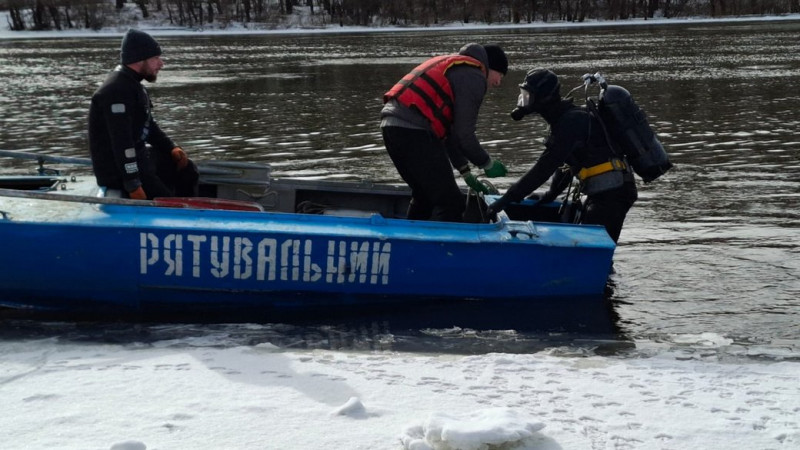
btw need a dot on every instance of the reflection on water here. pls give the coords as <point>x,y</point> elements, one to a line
<point>710,248</point>
<point>368,336</point>
<point>468,326</point>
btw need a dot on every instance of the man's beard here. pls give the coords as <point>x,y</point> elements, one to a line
<point>148,75</point>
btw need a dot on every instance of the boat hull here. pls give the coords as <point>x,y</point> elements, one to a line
<point>289,250</point>
<point>133,258</point>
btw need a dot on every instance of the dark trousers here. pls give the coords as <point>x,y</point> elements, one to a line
<point>161,178</point>
<point>422,161</point>
<point>610,208</point>
<point>165,180</point>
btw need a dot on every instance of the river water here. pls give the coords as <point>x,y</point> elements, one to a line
<point>710,254</point>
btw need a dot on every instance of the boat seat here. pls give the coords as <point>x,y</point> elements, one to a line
<point>197,202</point>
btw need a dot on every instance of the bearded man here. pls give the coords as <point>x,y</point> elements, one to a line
<point>129,150</point>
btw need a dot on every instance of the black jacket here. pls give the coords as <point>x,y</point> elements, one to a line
<point>120,126</point>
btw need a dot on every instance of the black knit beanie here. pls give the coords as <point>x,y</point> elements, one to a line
<point>138,46</point>
<point>497,58</point>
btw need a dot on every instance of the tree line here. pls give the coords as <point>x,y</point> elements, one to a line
<point>96,14</point>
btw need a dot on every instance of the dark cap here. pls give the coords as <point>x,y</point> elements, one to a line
<point>138,46</point>
<point>497,58</point>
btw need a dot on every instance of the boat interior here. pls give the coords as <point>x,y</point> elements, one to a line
<point>252,184</point>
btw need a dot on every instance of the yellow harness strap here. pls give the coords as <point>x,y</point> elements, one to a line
<point>608,166</point>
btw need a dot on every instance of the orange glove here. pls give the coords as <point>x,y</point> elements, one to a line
<point>180,158</point>
<point>138,194</point>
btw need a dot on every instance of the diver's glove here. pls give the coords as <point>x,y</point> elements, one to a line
<point>519,112</point>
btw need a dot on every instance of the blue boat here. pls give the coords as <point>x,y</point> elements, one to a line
<point>276,247</point>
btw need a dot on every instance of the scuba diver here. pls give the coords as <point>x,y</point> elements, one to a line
<point>577,146</point>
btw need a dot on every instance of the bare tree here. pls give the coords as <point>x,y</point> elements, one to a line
<point>95,14</point>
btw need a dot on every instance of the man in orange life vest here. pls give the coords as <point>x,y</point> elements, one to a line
<point>428,124</point>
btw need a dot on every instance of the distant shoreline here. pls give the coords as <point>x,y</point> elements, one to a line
<point>159,30</point>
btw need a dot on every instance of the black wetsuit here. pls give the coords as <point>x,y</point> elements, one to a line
<point>120,127</point>
<point>577,139</point>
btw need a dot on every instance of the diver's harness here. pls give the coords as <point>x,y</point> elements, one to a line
<point>607,175</point>
<point>571,210</point>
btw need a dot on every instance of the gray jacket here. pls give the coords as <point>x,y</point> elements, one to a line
<point>469,86</point>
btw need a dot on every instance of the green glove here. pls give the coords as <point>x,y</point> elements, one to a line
<point>473,182</point>
<point>497,169</point>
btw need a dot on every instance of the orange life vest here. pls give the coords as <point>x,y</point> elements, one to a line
<point>427,89</point>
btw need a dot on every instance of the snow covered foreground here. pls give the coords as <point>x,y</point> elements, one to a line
<point>181,394</point>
